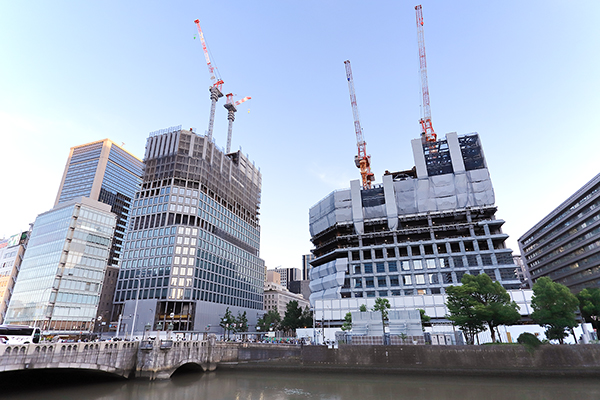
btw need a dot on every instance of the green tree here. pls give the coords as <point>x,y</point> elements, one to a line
<point>362,308</point>
<point>241,322</point>
<point>307,318</point>
<point>292,318</point>
<point>382,305</point>
<point>481,301</point>
<point>425,319</point>
<point>589,304</point>
<point>227,322</point>
<point>554,308</point>
<point>347,325</point>
<point>461,308</point>
<point>268,321</point>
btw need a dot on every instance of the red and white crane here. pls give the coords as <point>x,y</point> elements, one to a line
<point>362,160</point>
<point>217,83</point>
<point>426,126</point>
<point>231,107</point>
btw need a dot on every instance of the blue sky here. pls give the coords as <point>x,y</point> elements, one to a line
<point>524,75</point>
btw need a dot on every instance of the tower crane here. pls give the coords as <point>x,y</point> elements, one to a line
<point>362,160</point>
<point>217,82</point>
<point>426,126</point>
<point>231,107</point>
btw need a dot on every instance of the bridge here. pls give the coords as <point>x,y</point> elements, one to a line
<point>138,359</point>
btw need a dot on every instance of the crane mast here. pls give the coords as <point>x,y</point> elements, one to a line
<point>217,83</point>
<point>426,126</point>
<point>362,160</point>
<point>231,107</point>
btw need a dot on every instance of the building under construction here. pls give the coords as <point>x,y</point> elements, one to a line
<point>416,233</point>
<point>192,247</point>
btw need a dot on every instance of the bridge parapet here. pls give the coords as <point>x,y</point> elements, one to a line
<point>112,357</point>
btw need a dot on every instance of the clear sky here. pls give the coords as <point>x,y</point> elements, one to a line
<point>523,74</point>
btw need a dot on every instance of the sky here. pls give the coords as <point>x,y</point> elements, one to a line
<point>523,74</point>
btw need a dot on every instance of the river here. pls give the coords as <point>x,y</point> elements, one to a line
<point>271,385</point>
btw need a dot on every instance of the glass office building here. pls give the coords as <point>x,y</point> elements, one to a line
<point>106,172</point>
<point>63,269</point>
<point>192,247</point>
<point>565,245</point>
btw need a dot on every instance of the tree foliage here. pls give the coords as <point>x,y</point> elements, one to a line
<point>293,316</point>
<point>241,322</point>
<point>425,319</point>
<point>382,305</point>
<point>268,321</point>
<point>362,308</point>
<point>307,318</point>
<point>347,325</point>
<point>589,304</point>
<point>554,308</point>
<point>227,321</point>
<point>478,302</point>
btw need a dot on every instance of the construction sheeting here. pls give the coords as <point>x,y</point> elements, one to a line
<point>327,280</point>
<point>337,207</point>
<point>436,193</point>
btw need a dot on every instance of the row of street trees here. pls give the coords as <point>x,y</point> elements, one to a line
<point>480,303</point>
<point>295,317</point>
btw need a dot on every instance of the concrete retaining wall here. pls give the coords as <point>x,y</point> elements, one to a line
<point>507,360</point>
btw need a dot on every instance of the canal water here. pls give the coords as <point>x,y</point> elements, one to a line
<point>270,385</point>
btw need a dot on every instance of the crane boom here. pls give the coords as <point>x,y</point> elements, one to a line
<point>215,89</point>
<point>216,81</point>
<point>426,126</point>
<point>362,160</point>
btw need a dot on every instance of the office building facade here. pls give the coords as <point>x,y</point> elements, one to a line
<point>306,259</point>
<point>192,247</point>
<point>565,245</point>
<point>61,277</point>
<point>11,257</point>
<point>105,172</point>
<point>416,233</point>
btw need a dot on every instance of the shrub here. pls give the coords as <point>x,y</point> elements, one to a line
<point>529,340</point>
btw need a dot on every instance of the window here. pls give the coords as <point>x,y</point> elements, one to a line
<point>370,282</point>
<point>430,263</point>
<point>381,282</point>
<point>420,279</point>
<point>392,267</point>
<point>380,268</point>
<point>417,264</point>
<point>394,281</point>
<point>368,268</point>
<point>405,265</point>
<point>407,279</point>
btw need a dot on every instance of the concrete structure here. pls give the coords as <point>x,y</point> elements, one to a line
<point>61,276</point>
<point>11,257</point>
<point>417,233</point>
<point>301,287</point>
<point>288,275</point>
<point>565,245</point>
<point>521,271</point>
<point>277,298</point>
<point>192,247</point>
<point>105,172</point>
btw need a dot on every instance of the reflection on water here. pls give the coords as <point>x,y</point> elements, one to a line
<point>270,385</point>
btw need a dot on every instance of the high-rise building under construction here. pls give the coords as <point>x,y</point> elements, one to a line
<point>416,233</point>
<point>192,247</point>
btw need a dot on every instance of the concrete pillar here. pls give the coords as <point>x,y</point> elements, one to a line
<point>357,209</point>
<point>458,164</point>
<point>419,157</point>
<point>390,202</point>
